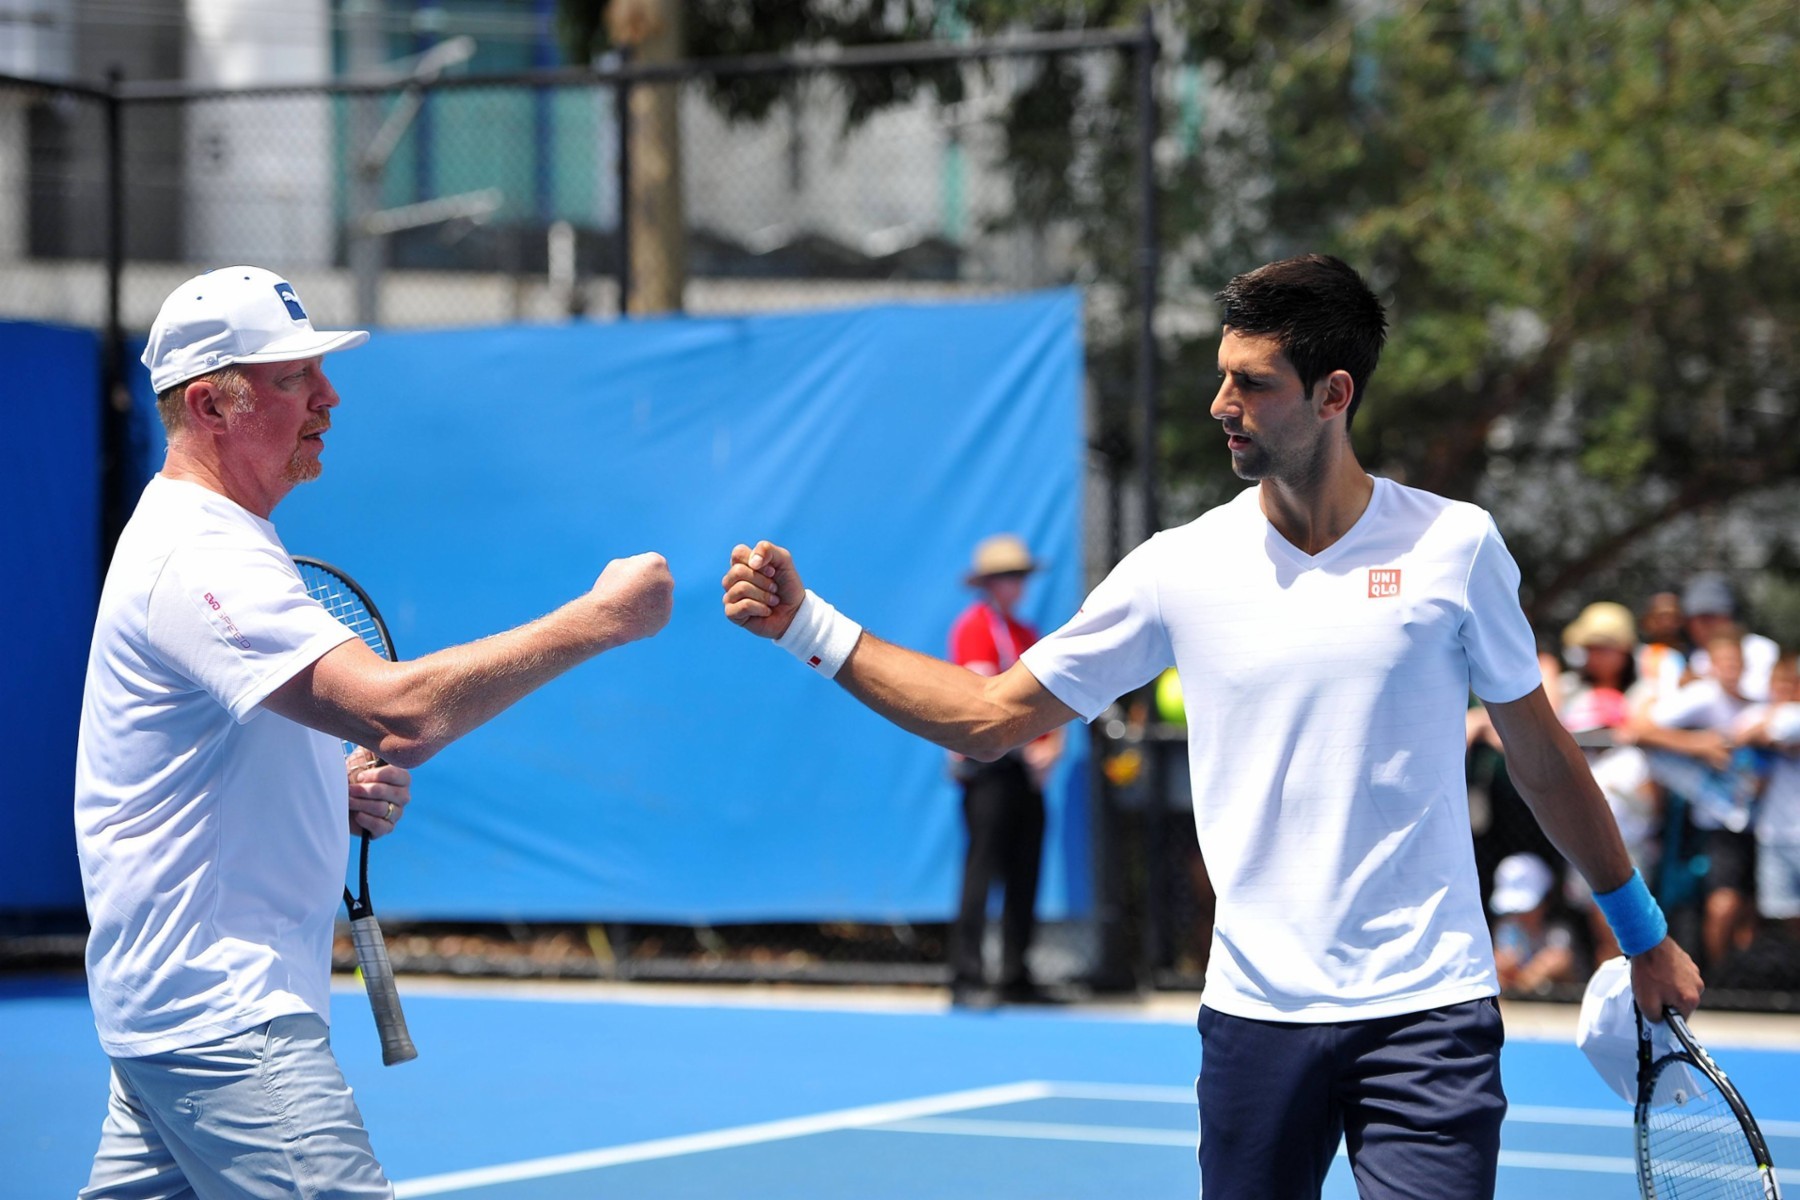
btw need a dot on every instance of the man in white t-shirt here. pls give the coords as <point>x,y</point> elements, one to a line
<point>1692,741</point>
<point>1328,628</point>
<point>1775,727</point>
<point>1710,608</point>
<point>212,810</point>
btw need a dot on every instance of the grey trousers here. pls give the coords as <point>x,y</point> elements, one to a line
<point>263,1113</point>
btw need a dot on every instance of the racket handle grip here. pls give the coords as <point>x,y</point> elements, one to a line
<point>384,997</point>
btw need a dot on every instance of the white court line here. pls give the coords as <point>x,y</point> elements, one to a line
<point>916,1116</point>
<point>1146,1092</point>
<point>1523,1114</point>
<point>1530,1114</point>
<point>743,1135</point>
<point>1046,1131</point>
<point>1042,1131</point>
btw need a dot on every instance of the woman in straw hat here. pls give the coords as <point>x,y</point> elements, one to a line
<point>1003,801</point>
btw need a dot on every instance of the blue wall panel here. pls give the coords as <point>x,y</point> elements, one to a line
<point>475,479</point>
<point>50,539</point>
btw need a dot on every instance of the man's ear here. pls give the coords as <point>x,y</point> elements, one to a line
<point>1334,393</point>
<point>206,404</point>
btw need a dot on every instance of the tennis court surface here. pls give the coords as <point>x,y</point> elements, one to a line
<point>537,1091</point>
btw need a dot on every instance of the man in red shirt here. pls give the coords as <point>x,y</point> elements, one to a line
<point>1003,801</point>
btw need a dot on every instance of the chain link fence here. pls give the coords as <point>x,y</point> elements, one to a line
<point>801,183</point>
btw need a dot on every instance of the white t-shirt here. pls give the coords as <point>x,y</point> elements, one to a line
<point>1778,815</point>
<point>213,834</point>
<point>1325,706</point>
<point>1702,704</point>
<point>1712,795</point>
<point>1760,654</point>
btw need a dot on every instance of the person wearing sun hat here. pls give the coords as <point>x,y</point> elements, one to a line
<point>214,803</point>
<point>1532,949</point>
<point>1602,638</point>
<point>1003,801</point>
<point>1594,702</point>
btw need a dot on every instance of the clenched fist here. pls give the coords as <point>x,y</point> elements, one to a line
<point>635,596</point>
<point>762,589</point>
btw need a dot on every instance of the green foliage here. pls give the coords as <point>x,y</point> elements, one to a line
<point>1583,215</point>
<point>733,28</point>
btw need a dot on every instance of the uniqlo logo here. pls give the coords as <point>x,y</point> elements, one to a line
<point>1384,581</point>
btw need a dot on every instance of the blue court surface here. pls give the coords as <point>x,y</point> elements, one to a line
<point>533,1092</point>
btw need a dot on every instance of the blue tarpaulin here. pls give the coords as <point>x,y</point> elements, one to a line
<point>476,479</point>
<point>50,492</point>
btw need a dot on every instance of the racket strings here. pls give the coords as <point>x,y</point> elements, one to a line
<point>1697,1147</point>
<point>346,606</point>
<point>344,602</point>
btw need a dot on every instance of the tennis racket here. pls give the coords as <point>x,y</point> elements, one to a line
<point>1696,1139</point>
<point>346,601</point>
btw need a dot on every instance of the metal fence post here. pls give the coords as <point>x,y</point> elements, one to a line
<point>622,103</point>
<point>115,397</point>
<point>1153,936</point>
<point>366,251</point>
<point>1127,955</point>
<point>1149,262</point>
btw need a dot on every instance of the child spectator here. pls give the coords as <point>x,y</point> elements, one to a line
<point>1532,949</point>
<point>1776,727</point>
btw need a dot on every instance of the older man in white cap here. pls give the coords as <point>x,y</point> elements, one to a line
<point>212,807</point>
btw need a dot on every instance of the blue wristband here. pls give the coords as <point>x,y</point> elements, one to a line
<point>1636,919</point>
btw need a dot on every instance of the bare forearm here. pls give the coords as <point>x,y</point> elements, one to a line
<point>1697,743</point>
<point>1550,773</point>
<point>442,696</point>
<point>1550,965</point>
<point>940,701</point>
<point>981,716</point>
<point>409,711</point>
<point>1560,790</point>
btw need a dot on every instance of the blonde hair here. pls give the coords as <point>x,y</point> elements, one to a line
<point>171,402</point>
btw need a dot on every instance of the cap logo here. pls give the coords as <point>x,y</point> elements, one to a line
<point>286,292</point>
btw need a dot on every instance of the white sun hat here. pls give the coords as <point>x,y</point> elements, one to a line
<point>234,315</point>
<point>1521,882</point>
<point>1608,1032</point>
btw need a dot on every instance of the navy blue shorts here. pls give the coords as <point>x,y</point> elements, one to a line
<point>1415,1098</point>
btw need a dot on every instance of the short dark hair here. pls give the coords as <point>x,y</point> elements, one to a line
<point>1319,309</point>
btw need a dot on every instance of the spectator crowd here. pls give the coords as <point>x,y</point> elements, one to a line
<point>1691,724</point>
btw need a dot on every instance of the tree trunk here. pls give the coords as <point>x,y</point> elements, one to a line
<point>652,30</point>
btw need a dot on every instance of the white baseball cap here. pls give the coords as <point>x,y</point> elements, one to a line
<point>1607,1031</point>
<point>1521,882</point>
<point>234,315</point>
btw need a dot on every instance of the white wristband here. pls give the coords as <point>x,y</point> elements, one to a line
<point>821,636</point>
